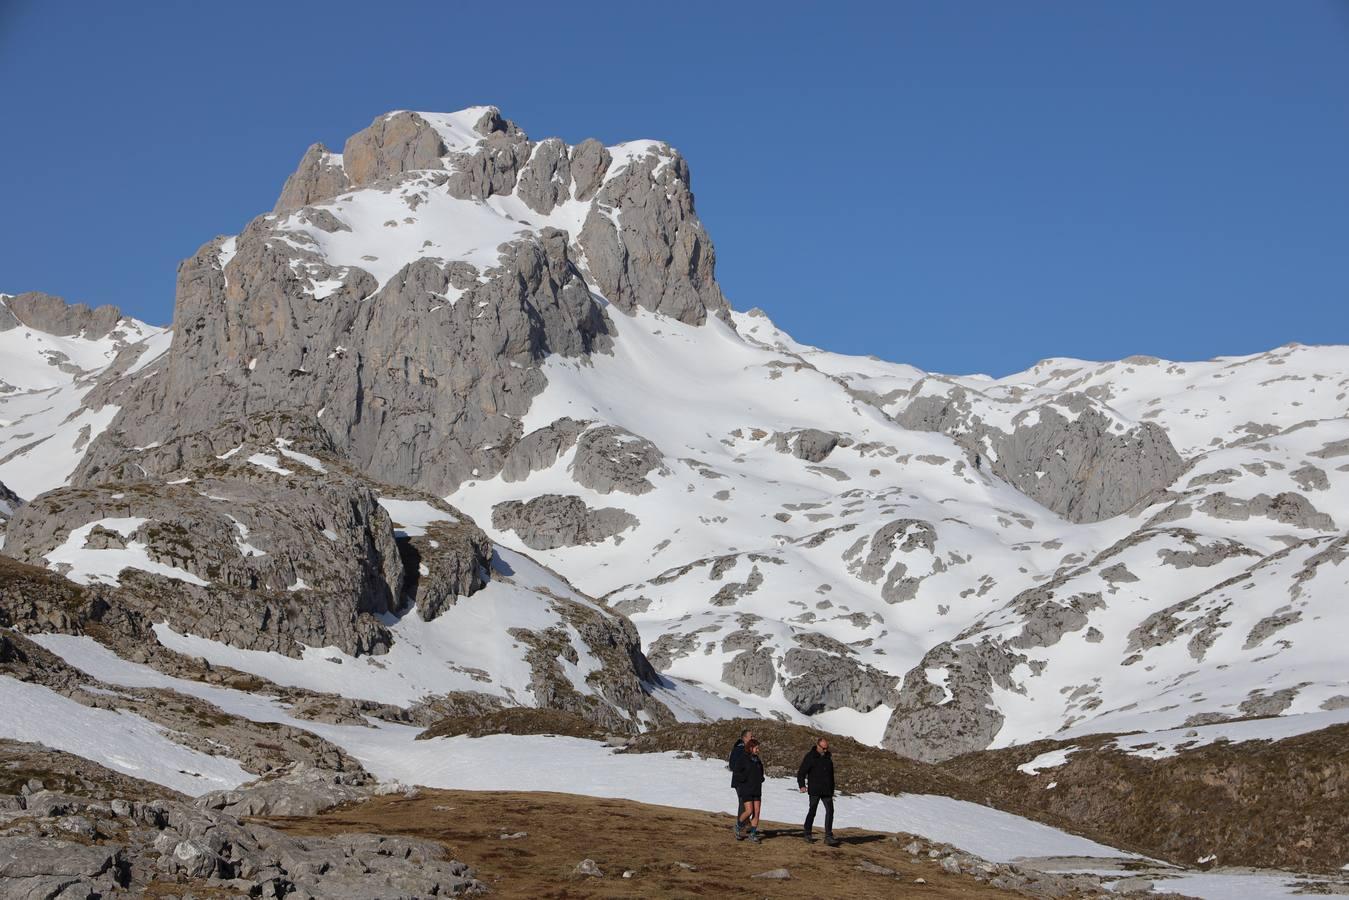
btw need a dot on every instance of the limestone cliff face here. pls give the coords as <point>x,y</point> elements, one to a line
<point>419,378</point>
<point>410,389</point>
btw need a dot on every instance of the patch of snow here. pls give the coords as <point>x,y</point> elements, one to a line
<point>1050,760</point>
<point>87,566</point>
<point>122,741</point>
<point>413,516</point>
<point>269,462</point>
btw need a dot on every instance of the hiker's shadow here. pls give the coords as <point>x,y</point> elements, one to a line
<point>773,833</point>
<point>862,838</point>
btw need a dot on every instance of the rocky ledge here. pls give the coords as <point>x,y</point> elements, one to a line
<point>58,845</point>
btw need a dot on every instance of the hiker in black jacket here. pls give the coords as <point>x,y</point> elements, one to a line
<point>748,781</point>
<point>736,752</point>
<point>816,775</point>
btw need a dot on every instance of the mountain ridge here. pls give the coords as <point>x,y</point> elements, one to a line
<point>532,333</point>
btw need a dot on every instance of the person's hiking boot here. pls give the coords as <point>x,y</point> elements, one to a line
<point>755,836</point>
<point>739,832</point>
<point>810,838</point>
<point>831,841</point>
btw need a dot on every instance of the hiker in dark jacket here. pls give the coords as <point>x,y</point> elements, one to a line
<point>736,752</point>
<point>748,781</point>
<point>816,775</point>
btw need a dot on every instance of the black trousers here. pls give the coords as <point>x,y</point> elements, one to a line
<point>828,802</point>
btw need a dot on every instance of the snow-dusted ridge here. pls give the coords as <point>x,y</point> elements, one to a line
<point>896,554</point>
<point>47,413</point>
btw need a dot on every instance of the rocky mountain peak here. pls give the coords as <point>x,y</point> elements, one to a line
<point>53,315</point>
<point>523,343</point>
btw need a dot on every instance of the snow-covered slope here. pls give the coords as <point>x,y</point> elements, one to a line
<point>746,563</point>
<point>50,366</point>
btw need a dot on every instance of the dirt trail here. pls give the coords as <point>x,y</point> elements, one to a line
<point>650,841</point>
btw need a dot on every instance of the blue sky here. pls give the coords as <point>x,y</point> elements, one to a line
<point>966,186</point>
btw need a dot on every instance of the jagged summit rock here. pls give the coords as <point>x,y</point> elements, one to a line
<point>419,357</point>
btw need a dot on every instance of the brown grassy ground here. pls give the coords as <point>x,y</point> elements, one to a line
<point>649,841</point>
<point>514,720</point>
<point>1281,804</point>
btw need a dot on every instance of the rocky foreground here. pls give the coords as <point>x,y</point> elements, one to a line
<point>58,844</point>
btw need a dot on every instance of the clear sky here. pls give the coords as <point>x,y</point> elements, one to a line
<point>966,186</point>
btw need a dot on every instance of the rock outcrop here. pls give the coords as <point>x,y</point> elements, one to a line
<point>319,177</point>
<point>45,312</point>
<point>817,681</point>
<point>610,458</point>
<point>1069,456</point>
<point>549,521</point>
<point>56,844</point>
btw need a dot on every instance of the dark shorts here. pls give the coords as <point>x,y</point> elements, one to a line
<point>748,795</point>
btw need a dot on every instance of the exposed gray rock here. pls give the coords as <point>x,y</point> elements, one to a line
<point>545,180</point>
<point>742,639</point>
<point>208,850</point>
<point>928,724</point>
<point>413,390</point>
<point>751,671</point>
<point>1199,554</point>
<point>1222,476</point>
<point>1047,621</point>
<point>1310,478</point>
<point>33,866</point>
<point>1083,467</point>
<point>810,444</point>
<point>540,448</point>
<point>645,246</point>
<point>319,177</point>
<point>1332,450</point>
<point>1287,508</point>
<point>495,166</point>
<point>393,143</point>
<point>667,648</point>
<point>589,162</point>
<point>1269,626</point>
<point>899,536</point>
<point>45,312</point>
<point>610,458</point>
<point>452,559</point>
<point>1118,574</point>
<point>731,591</point>
<point>301,792</point>
<point>816,681</point>
<point>632,606</point>
<point>421,394</point>
<point>1268,703</point>
<point>550,521</point>
<point>257,540</point>
<point>618,687</point>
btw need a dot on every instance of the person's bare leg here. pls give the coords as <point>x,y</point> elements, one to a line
<point>757,805</point>
<point>747,813</point>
